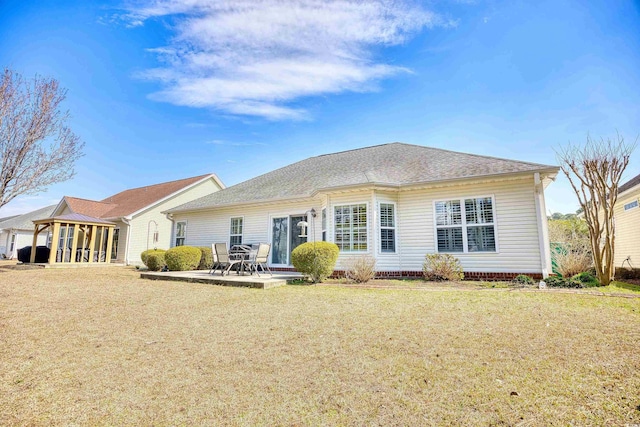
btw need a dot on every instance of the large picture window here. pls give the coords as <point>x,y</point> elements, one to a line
<point>350,227</point>
<point>235,234</point>
<point>387,228</point>
<point>465,225</point>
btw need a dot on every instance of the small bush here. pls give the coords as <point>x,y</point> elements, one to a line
<point>360,269</point>
<point>183,258</point>
<point>562,282</point>
<point>206,260</point>
<point>153,259</point>
<point>523,279</point>
<point>315,260</point>
<point>587,279</point>
<point>442,267</point>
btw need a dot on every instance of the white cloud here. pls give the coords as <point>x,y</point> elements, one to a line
<point>255,57</point>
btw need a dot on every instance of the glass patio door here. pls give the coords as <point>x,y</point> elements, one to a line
<point>285,237</point>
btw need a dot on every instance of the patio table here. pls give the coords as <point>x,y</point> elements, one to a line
<point>239,253</point>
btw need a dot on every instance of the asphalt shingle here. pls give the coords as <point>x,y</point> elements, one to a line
<point>389,164</point>
<point>25,221</point>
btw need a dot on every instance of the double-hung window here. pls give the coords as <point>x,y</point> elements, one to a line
<point>387,228</point>
<point>235,232</point>
<point>465,225</point>
<point>181,232</point>
<point>350,227</point>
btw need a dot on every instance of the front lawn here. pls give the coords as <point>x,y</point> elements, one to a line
<point>103,347</point>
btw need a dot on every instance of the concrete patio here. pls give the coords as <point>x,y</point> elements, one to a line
<point>264,281</point>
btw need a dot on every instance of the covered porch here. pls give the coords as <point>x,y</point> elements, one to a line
<point>75,239</point>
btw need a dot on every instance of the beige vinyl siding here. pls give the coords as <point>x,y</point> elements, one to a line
<point>627,230</point>
<point>515,217</point>
<point>207,227</point>
<point>140,228</point>
<point>4,242</point>
<point>122,240</point>
<point>23,238</point>
<point>517,233</point>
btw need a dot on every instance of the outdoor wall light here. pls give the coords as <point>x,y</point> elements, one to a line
<point>303,228</point>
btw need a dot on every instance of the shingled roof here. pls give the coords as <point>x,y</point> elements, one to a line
<point>25,221</point>
<point>394,164</point>
<point>129,201</point>
<point>629,184</point>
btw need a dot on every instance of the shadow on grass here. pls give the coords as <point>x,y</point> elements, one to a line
<point>628,286</point>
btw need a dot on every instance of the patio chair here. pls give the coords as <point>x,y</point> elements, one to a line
<point>215,259</point>
<point>259,258</point>
<point>225,261</point>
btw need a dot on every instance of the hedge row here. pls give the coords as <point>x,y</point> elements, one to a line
<point>180,258</point>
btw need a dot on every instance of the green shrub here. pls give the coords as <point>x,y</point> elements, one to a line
<point>561,282</point>
<point>206,260</point>
<point>442,267</point>
<point>587,279</point>
<point>315,260</point>
<point>523,279</point>
<point>153,259</point>
<point>183,258</point>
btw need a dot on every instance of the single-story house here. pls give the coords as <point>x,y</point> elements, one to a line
<point>134,214</point>
<point>139,223</point>
<point>17,231</point>
<point>395,202</point>
<point>627,224</point>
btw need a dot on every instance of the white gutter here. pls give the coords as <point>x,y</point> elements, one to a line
<point>543,229</point>
<point>550,172</point>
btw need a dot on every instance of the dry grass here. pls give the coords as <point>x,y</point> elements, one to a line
<point>102,347</point>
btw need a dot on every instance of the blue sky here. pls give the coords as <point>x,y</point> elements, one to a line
<point>167,89</point>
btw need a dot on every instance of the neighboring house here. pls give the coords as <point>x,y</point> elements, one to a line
<point>395,202</point>
<point>140,225</point>
<point>627,224</point>
<point>17,232</point>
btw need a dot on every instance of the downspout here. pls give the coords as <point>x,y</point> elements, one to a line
<point>170,218</point>
<point>126,245</point>
<point>543,230</point>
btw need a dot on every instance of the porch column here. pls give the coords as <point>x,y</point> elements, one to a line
<point>33,245</point>
<point>55,235</point>
<point>107,256</point>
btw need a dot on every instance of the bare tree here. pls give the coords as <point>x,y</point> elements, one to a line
<point>37,147</point>
<point>594,172</point>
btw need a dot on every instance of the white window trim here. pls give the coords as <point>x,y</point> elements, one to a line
<point>324,226</point>
<point>241,234</point>
<point>333,223</point>
<point>175,239</point>
<point>271,218</point>
<point>465,244</point>
<point>395,227</point>
<point>636,201</point>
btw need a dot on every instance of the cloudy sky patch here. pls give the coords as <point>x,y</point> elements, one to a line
<point>257,57</point>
